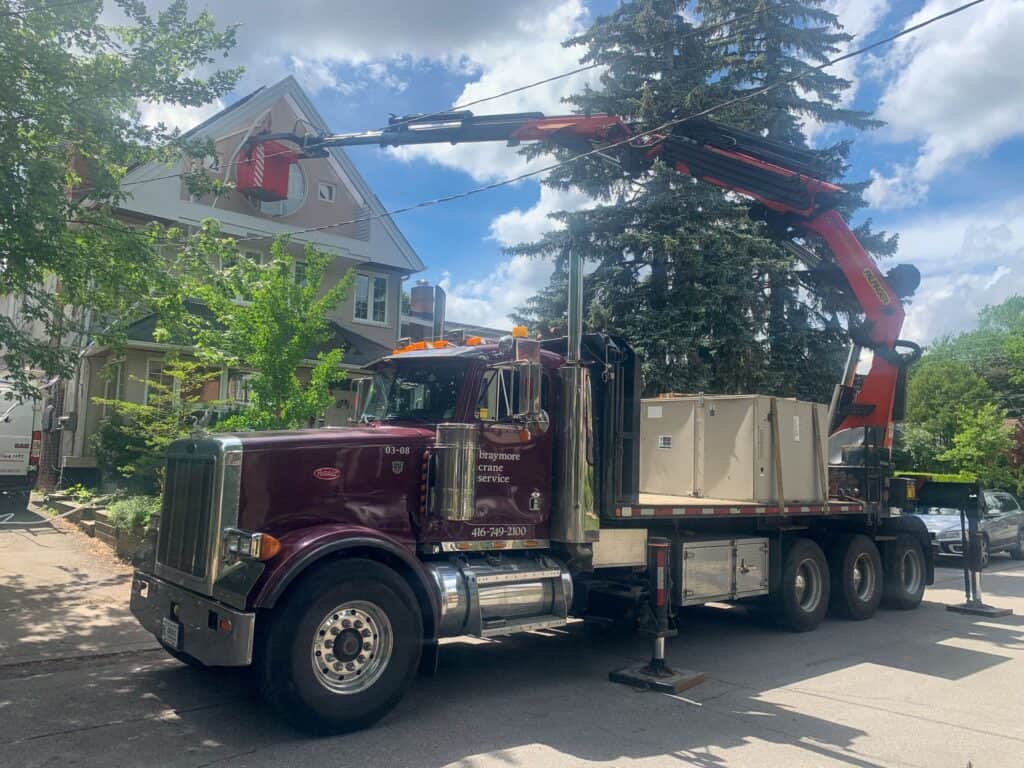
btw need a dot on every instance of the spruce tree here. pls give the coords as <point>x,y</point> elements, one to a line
<point>671,259</point>
<point>776,40</point>
<point>700,290</point>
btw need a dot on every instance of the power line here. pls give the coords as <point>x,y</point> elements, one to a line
<point>653,131</point>
<point>702,30</point>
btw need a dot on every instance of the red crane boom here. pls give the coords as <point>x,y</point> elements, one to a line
<point>785,180</point>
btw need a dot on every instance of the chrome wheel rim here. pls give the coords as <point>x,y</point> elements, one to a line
<point>910,571</point>
<point>807,585</point>
<point>352,646</point>
<point>864,577</point>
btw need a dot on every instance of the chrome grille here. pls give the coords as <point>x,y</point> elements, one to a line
<point>188,507</point>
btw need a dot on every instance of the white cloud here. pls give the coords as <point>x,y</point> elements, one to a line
<point>312,38</point>
<point>488,301</point>
<point>968,259</point>
<point>519,226</point>
<point>859,18</point>
<point>956,89</point>
<point>528,51</point>
<point>899,190</point>
<point>176,116</point>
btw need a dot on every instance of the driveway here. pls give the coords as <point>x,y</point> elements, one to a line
<point>80,684</point>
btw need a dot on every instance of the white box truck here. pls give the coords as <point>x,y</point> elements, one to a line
<point>20,446</point>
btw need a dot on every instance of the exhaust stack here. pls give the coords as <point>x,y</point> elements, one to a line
<point>574,519</point>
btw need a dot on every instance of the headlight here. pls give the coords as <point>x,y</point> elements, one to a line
<point>951,534</point>
<point>255,546</point>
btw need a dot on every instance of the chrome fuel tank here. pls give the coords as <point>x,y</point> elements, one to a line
<point>487,598</point>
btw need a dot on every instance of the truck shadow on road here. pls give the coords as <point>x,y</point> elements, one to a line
<point>532,699</point>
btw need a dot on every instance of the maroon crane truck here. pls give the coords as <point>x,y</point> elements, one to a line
<point>492,486</point>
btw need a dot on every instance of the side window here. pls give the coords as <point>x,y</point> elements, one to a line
<point>497,395</point>
<point>1006,502</point>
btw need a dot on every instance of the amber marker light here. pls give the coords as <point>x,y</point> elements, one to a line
<point>254,546</point>
<point>268,546</point>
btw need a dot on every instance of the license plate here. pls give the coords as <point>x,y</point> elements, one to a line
<point>171,634</point>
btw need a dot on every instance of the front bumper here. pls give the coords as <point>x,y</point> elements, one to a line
<point>208,631</point>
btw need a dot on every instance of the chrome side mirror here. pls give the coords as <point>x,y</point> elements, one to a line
<point>360,399</point>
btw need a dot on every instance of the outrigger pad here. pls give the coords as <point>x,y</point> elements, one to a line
<point>657,677</point>
<point>979,609</point>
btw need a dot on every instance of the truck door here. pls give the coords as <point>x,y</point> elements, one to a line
<point>513,479</point>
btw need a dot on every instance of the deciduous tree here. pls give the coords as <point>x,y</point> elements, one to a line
<point>268,322</point>
<point>70,127</point>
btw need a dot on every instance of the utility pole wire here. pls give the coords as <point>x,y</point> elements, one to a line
<point>653,131</point>
<point>466,104</point>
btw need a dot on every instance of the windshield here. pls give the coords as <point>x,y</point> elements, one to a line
<point>924,509</point>
<point>405,393</point>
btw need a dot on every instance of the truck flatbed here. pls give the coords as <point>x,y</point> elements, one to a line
<point>656,505</point>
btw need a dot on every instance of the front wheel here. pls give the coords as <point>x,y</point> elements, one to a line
<point>343,649</point>
<point>803,595</point>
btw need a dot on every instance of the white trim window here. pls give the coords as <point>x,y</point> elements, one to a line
<point>155,375</point>
<point>370,304</point>
<point>111,386</point>
<point>326,192</point>
<point>299,272</point>
<point>240,387</point>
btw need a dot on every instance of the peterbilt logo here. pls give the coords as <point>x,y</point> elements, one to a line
<point>327,473</point>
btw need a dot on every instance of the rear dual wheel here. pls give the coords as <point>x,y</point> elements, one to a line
<point>855,566</point>
<point>904,573</point>
<point>803,596</point>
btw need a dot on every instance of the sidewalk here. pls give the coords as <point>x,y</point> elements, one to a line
<point>62,595</point>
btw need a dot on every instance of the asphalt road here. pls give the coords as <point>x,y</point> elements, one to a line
<point>81,685</point>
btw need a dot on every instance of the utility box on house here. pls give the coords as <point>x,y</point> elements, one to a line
<point>723,447</point>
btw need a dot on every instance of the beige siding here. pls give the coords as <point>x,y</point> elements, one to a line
<point>313,212</point>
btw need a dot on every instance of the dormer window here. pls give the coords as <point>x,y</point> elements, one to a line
<point>296,195</point>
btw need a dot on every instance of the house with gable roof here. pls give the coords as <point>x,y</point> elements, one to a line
<point>321,192</point>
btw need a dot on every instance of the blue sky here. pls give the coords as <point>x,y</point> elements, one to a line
<point>946,168</point>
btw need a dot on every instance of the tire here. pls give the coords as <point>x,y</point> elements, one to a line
<point>1017,553</point>
<point>15,501</point>
<point>184,658</point>
<point>904,573</point>
<point>347,600</point>
<point>803,596</point>
<point>855,568</point>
